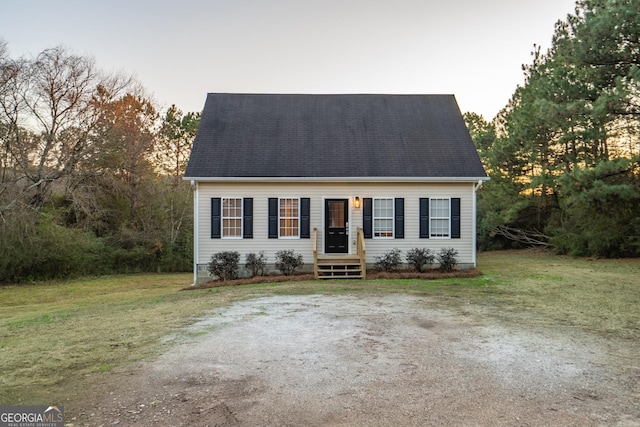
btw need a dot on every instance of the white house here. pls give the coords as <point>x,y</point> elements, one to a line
<point>340,179</point>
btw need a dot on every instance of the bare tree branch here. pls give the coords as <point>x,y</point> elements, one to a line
<point>527,237</point>
<point>51,106</point>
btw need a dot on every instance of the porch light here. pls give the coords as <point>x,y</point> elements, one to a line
<point>356,202</point>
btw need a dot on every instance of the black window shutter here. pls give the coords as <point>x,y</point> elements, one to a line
<point>455,218</point>
<point>367,217</point>
<point>273,218</point>
<point>305,214</point>
<point>424,218</point>
<point>247,218</point>
<point>399,218</point>
<point>216,206</point>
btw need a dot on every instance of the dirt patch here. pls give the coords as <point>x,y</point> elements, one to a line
<point>372,360</point>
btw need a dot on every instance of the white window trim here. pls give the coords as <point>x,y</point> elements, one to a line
<point>393,217</point>
<point>222,218</point>
<point>299,214</point>
<point>431,218</point>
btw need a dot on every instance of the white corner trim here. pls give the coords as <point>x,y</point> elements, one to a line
<point>196,231</point>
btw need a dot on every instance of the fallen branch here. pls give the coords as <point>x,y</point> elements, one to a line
<point>527,237</point>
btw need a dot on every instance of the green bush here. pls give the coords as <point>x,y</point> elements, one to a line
<point>173,259</point>
<point>447,257</point>
<point>420,259</point>
<point>35,247</point>
<point>136,259</point>
<point>390,261</point>
<point>287,261</point>
<point>224,265</point>
<point>256,263</point>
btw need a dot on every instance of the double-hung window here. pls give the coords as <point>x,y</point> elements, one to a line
<point>289,217</point>
<point>231,218</point>
<point>439,217</point>
<point>383,218</point>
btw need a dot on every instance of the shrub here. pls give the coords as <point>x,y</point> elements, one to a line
<point>390,261</point>
<point>35,247</point>
<point>256,263</point>
<point>224,265</point>
<point>287,261</point>
<point>420,259</point>
<point>447,259</point>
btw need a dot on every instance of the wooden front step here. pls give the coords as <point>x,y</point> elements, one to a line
<point>339,267</point>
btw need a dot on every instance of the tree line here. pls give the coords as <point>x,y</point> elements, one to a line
<point>90,172</point>
<point>564,155</point>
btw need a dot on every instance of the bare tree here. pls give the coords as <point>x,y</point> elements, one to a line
<point>112,192</point>
<point>50,106</point>
<point>9,106</point>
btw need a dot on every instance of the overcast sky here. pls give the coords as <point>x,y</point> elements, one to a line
<point>182,49</point>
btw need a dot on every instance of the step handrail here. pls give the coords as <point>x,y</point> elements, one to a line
<point>315,252</point>
<point>362,251</point>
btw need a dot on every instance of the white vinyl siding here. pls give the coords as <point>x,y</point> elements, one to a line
<point>318,192</point>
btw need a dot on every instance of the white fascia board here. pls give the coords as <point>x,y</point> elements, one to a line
<point>339,179</point>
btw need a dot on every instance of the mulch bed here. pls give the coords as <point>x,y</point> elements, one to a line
<point>371,275</point>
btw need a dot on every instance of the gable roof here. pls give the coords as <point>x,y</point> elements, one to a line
<point>332,136</point>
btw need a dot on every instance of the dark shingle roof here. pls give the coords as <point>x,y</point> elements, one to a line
<point>268,135</point>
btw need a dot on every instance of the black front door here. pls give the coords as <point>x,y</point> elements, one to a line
<point>336,226</point>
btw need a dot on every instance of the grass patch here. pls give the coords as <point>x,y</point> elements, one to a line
<point>55,337</point>
<point>105,367</point>
<point>601,296</point>
<point>56,333</point>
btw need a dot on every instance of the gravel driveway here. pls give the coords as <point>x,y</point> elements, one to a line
<point>393,360</point>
